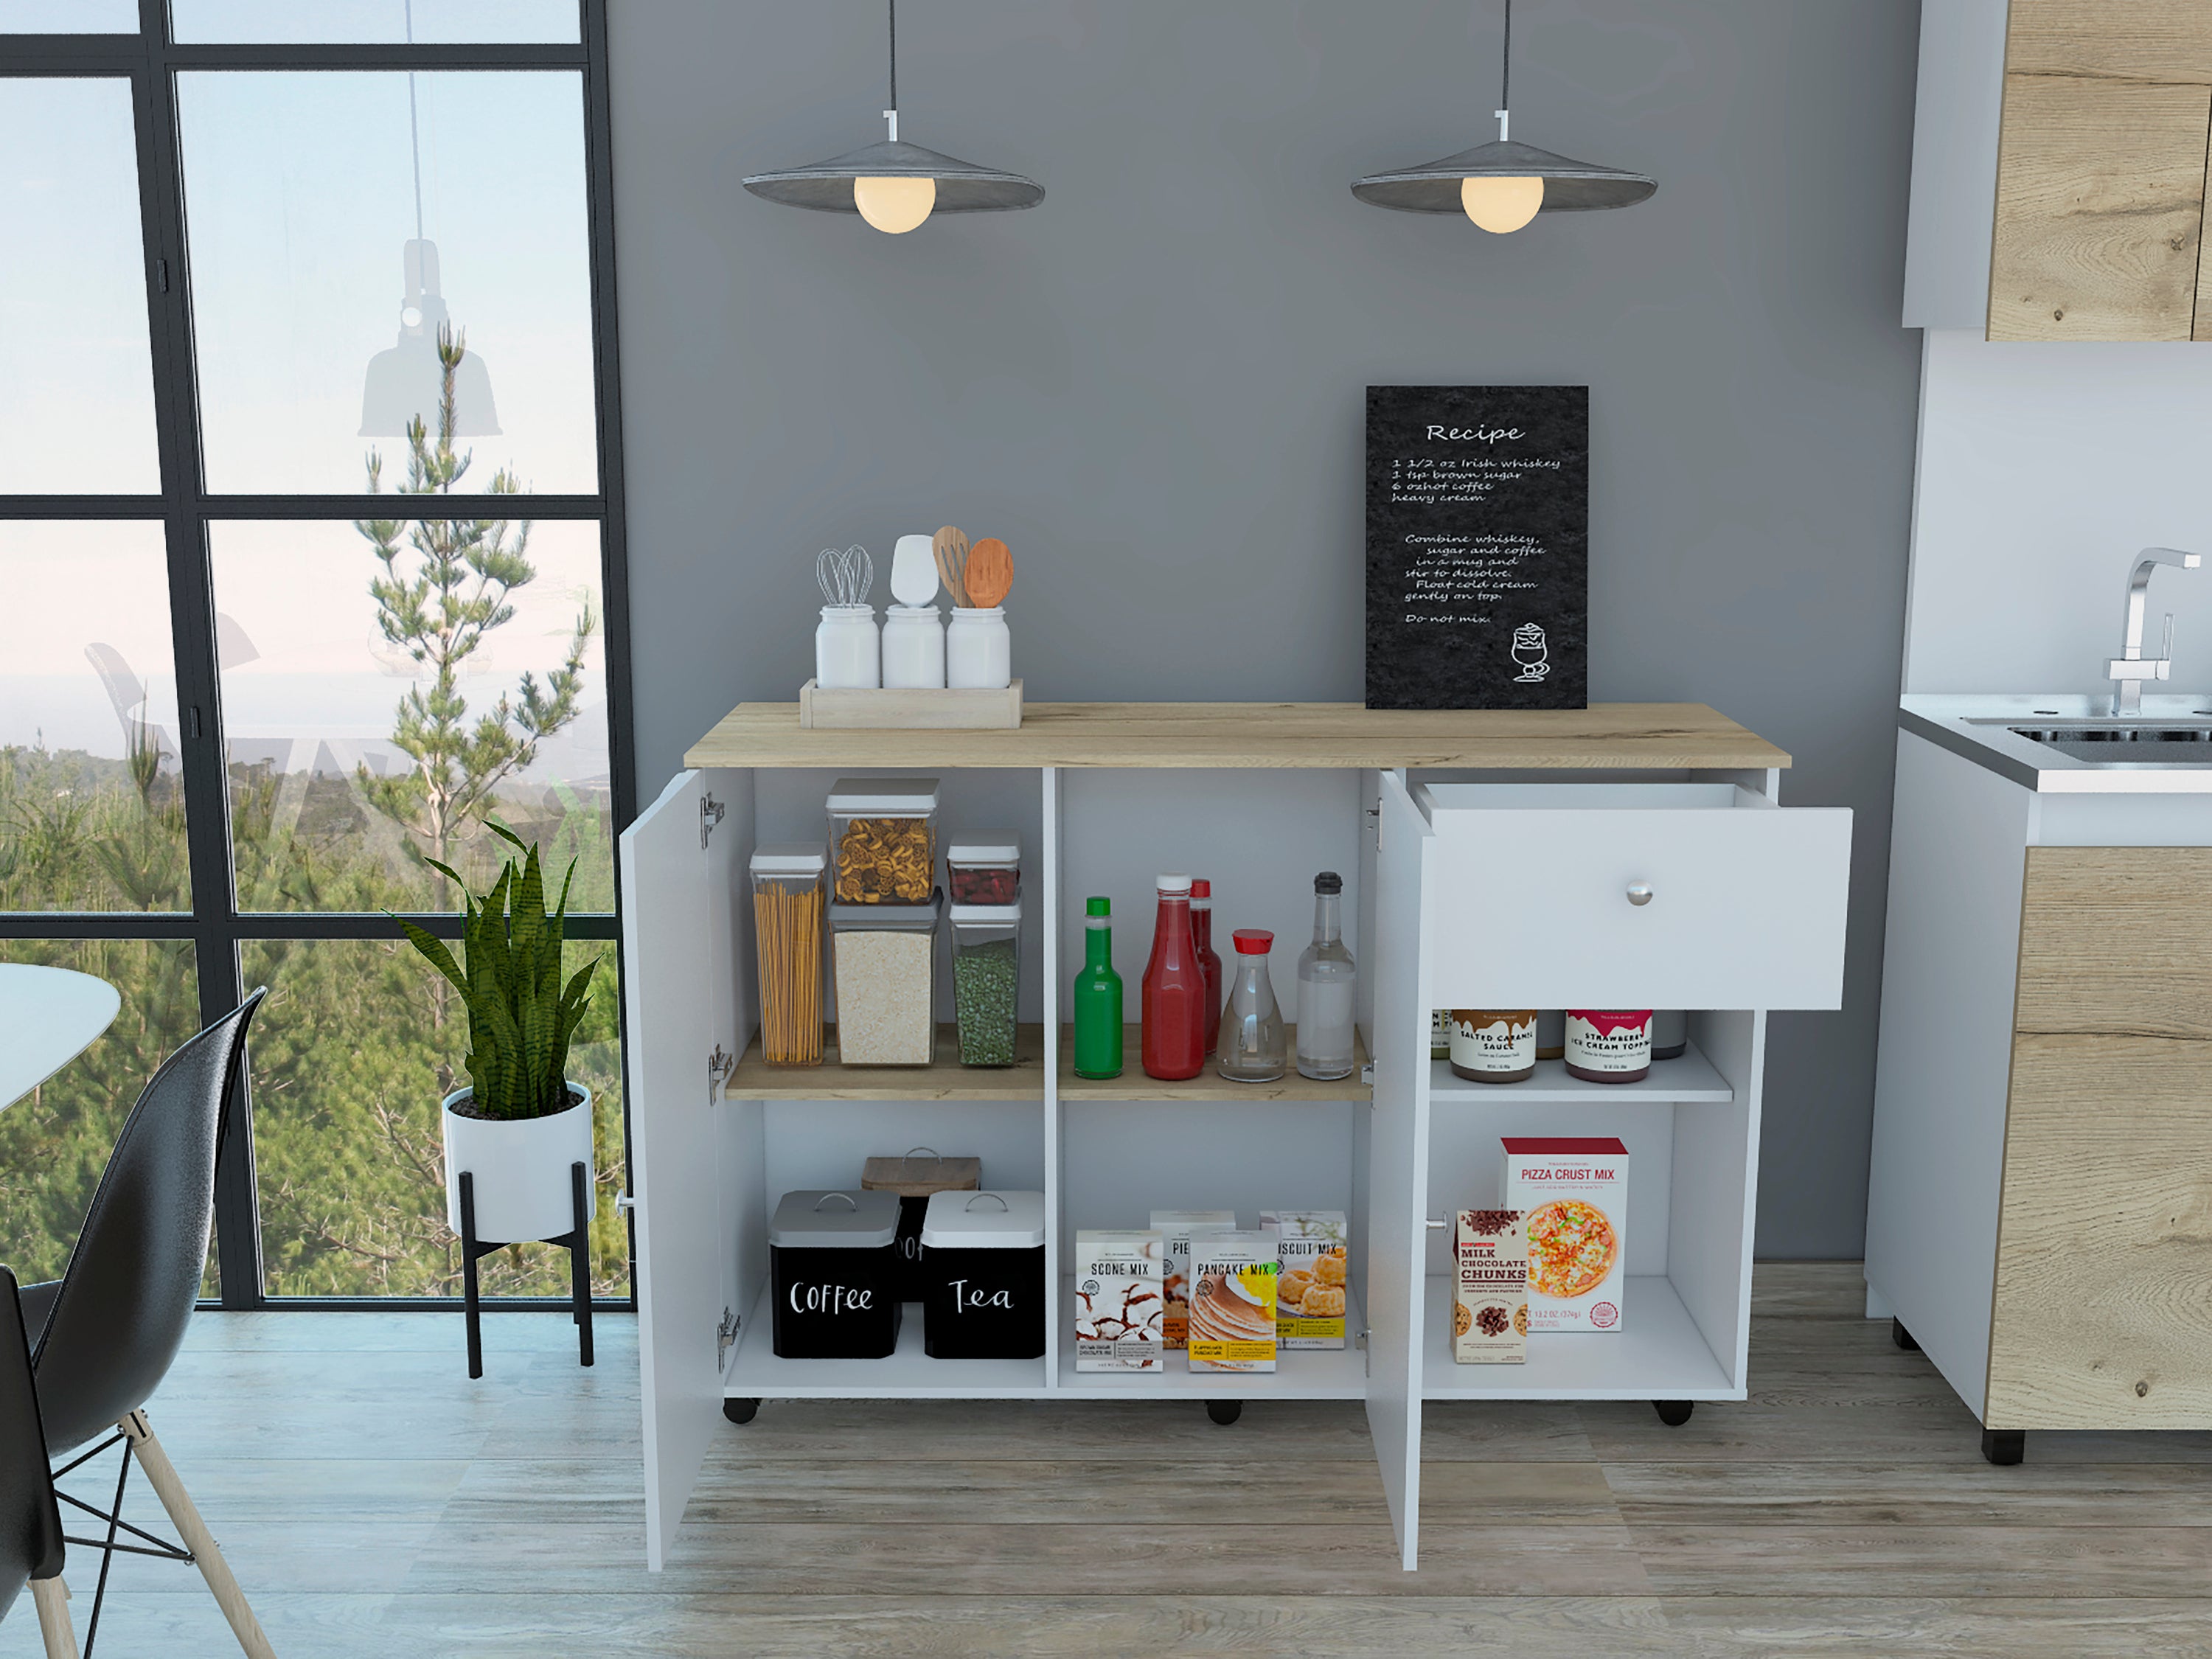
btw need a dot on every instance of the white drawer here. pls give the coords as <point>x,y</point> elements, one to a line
<point>1536,890</point>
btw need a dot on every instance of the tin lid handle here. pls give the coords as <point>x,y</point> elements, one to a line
<point>850,1202</point>
<point>935,1156</point>
<point>980,1197</point>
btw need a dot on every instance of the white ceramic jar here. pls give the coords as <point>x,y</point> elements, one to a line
<point>848,649</point>
<point>978,650</point>
<point>913,648</point>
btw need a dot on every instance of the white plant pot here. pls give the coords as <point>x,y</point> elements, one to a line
<point>521,1170</point>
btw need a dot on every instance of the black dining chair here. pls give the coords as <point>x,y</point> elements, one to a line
<point>30,1524</point>
<point>103,1336</point>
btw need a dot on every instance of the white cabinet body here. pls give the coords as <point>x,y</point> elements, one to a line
<point>1458,890</point>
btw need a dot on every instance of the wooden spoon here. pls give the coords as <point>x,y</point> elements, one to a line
<point>989,573</point>
<point>950,547</point>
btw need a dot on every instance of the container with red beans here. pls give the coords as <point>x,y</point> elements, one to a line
<point>984,866</point>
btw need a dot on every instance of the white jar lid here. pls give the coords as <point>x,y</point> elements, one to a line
<point>1173,884</point>
<point>986,1220</point>
<point>1004,915</point>
<point>790,858</point>
<point>983,846</point>
<point>893,797</point>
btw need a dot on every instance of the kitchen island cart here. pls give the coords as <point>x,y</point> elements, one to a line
<point>1629,855</point>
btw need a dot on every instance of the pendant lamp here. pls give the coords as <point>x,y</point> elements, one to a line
<point>1503,186</point>
<point>406,380</point>
<point>896,185</point>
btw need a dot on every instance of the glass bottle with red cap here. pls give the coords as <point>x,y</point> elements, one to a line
<point>1201,933</point>
<point>1252,1048</point>
<point>1173,1039</point>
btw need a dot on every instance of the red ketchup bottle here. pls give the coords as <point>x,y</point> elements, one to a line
<point>1175,995</point>
<point>1201,933</point>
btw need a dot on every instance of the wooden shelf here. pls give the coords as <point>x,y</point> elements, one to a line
<point>1208,1084</point>
<point>1689,1076</point>
<point>946,1079</point>
<point>1658,736</point>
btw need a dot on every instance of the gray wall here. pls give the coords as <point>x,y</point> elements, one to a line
<point>1150,385</point>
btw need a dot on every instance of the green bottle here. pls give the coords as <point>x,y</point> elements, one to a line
<point>1097,996</point>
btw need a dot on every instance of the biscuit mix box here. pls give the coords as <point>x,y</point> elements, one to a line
<point>1119,1302</point>
<point>1175,1227</point>
<point>1311,1293</point>
<point>1573,1193</point>
<point>1490,1289</point>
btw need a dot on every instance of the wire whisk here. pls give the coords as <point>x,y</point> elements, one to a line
<point>847,578</point>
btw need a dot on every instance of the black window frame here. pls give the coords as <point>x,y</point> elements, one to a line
<point>150,60</point>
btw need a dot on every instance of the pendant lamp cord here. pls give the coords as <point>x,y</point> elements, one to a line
<point>414,133</point>
<point>891,115</point>
<point>1505,81</point>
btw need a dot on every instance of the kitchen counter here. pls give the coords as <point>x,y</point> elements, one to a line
<point>1987,730</point>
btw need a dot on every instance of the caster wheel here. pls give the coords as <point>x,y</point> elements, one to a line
<point>740,1411</point>
<point>2004,1447</point>
<point>1673,1413</point>
<point>1902,1337</point>
<point>1224,1412</point>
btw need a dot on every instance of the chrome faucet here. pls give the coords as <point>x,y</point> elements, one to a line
<point>2131,668</point>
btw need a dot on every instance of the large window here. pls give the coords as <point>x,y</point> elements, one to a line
<point>311,542</point>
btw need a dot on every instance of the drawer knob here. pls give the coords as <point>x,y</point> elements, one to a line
<point>1639,892</point>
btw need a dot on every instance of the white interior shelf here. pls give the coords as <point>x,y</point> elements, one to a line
<point>1688,1077</point>
<point>757,1373</point>
<point>1299,1373</point>
<point>1658,1353</point>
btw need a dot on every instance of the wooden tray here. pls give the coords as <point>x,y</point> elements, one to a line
<point>911,711</point>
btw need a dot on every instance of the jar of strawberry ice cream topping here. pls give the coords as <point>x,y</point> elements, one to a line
<point>1609,1045</point>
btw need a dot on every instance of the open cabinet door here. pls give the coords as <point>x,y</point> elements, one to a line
<point>681,1018</point>
<point>1398,1158</point>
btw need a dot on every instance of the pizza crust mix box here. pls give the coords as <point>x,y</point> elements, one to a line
<point>1573,1193</point>
<point>1490,1289</point>
<point>1232,1302</point>
<point>1119,1314</point>
<point>1312,1289</point>
<point>1174,1228</point>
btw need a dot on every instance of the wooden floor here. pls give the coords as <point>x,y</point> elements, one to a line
<point>373,1501</point>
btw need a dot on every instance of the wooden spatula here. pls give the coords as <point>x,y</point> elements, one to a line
<point>950,548</point>
<point>989,573</point>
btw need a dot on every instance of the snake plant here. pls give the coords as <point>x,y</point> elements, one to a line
<point>520,1016</point>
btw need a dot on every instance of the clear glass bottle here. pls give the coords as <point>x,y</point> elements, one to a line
<point>1252,1026</point>
<point>1327,978</point>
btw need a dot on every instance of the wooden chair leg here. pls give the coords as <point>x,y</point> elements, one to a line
<point>53,1598</point>
<point>162,1475</point>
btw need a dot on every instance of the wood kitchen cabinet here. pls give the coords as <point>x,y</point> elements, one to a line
<point>2101,170</point>
<point>1625,855</point>
<point>2104,1259</point>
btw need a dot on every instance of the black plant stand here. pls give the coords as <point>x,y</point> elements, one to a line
<point>577,1240</point>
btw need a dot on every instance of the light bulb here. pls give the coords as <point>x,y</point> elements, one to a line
<point>894,205</point>
<point>1501,204</point>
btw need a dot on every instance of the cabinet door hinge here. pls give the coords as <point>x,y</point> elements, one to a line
<point>725,1334</point>
<point>161,274</point>
<point>710,814</point>
<point>719,1065</point>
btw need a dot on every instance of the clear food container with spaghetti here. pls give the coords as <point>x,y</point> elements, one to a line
<point>790,897</point>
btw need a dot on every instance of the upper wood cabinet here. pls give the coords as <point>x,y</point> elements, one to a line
<point>2101,173</point>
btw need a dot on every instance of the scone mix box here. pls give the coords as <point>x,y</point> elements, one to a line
<point>1490,1288</point>
<point>1311,1292</point>
<point>1572,1192</point>
<point>1174,1228</point>
<point>1232,1301</point>
<point>1120,1314</point>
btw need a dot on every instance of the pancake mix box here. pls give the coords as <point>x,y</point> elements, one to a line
<point>1175,1229</point>
<point>1119,1306</point>
<point>1310,1290</point>
<point>1573,1193</point>
<point>1232,1301</point>
<point>1490,1288</point>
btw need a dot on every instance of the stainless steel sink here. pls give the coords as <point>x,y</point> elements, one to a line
<point>2114,744</point>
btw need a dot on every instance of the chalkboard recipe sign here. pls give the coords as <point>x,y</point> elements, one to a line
<point>1478,546</point>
